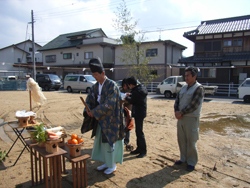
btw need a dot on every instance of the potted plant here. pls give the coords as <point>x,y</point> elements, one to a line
<point>2,156</point>
<point>39,135</point>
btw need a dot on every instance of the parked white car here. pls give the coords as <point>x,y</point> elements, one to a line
<point>244,91</point>
<point>78,82</point>
<point>172,85</point>
<point>8,78</point>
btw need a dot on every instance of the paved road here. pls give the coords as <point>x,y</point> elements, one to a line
<point>221,99</point>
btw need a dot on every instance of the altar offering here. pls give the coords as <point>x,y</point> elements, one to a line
<point>74,150</point>
<point>23,117</point>
<point>54,138</point>
<point>74,144</point>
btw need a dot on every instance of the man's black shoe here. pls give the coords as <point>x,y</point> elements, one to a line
<point>178,162</point>
<point>190,168</point>
<point>141,155</point>
<point>134,152</point>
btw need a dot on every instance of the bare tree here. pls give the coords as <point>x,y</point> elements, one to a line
<point>133,55</point>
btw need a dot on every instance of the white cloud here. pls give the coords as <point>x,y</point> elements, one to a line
<point>55,17</point>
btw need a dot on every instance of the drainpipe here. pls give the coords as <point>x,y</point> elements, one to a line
<point>165,59</point>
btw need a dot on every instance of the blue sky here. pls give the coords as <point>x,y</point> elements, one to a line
<point>165,19</point>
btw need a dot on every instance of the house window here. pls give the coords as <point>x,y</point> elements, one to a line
<point>199,46</point>
<point>217,45</point>
<point>88,55</point>
<point>207,73</point>
<point>50,58</point>
<point>153,72</point>
<point>29,59</point>
<point>208,46</point>
<point>19,60</point>
<point>77,54</point>
<point>67,56</point>
<point>227,42</point>
<point>152,52</point>
<point>30,50</point>
<point>237,42</point>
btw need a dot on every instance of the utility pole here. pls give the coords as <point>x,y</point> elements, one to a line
<point>33,47</point>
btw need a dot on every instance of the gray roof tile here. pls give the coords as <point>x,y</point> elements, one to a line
<point>63,41</point>
<point>241,23</point>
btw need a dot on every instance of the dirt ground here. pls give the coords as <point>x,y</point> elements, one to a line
<point>224,155</point>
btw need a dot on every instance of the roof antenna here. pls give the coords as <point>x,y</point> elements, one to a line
<point>160,34</point>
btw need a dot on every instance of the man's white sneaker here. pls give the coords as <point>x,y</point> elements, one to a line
<point>110,170</point>
<point>102,167</point>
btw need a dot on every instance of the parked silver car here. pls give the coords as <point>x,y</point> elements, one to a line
<point>78,82</point>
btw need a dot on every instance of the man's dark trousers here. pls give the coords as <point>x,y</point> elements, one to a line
<point>141,142</point>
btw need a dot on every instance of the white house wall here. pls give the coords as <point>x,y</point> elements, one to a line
<point>167,54</point>
<point>96,34</point>
<point>177,54</point>
<point>96,49</point>
<point>107,55</point>
<point>26,47</point>
<point>98,40</point>
<point>9,56</point>
<point>155,60</point>
<point>160,58</point>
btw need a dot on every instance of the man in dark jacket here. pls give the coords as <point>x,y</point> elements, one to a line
<point>138,98</point>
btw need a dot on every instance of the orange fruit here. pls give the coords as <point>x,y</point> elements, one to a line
<point>80,140</point>
<point>74,136</point>
<point>74,141</point>
<point>58,126</point>
<point>69,141</point>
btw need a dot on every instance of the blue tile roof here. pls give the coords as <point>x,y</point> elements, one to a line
<point>234,24</point>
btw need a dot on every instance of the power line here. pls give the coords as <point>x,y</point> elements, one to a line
<point>57,7</point>
<point>83,9</point>
<point>169,29</point>
<point>99,7</point>
<point>160,26</point>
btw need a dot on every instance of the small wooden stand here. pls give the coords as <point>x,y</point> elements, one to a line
<point>62,143</point>
<point>79,168</point>
<point>47,167</point>
<point>52,145</point>
<point>23,121</point>
<point>74,150</point>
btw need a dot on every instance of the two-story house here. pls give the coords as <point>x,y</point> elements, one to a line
<point>71,52</point>
<point>164,53</point>
<point>222,50</point>
<point>16,59</point>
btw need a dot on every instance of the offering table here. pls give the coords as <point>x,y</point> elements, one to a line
<point>54,164</point>
<point>18,130</point>
<point>77,166</point>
